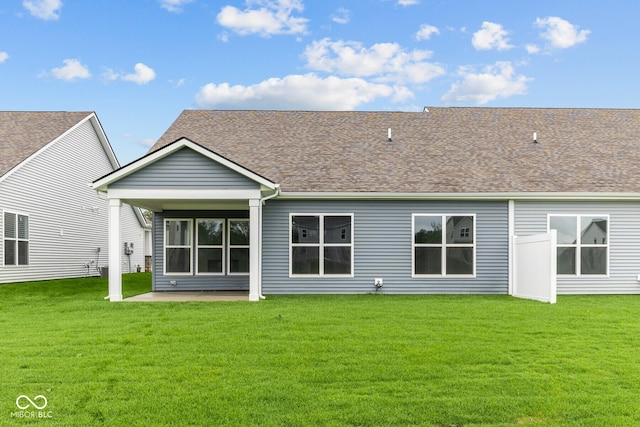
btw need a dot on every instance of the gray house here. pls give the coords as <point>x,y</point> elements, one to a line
<point>295,202</point>
<point>53,224</point>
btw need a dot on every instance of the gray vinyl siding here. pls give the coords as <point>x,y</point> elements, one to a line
<point>624,239</point>
<point>68,222</point>
<point>382,248</point>
<point>193,281</point>
<point>186,169</point>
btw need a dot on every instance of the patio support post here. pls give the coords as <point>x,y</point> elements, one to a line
<point>115,264</point>
<point>254,250</point>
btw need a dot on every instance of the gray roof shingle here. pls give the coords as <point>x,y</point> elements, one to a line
<point>22,133</point>
<point>444,150</point>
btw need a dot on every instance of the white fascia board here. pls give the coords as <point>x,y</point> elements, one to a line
<point>102,136</point>
<point>459,196</point>
<point>181,194</point>
<point>46,146</point>
<point>141,163</point>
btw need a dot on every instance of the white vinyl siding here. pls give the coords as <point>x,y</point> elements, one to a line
<point>68,221</point>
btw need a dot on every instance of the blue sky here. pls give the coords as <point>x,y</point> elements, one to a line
<point>139,63</point>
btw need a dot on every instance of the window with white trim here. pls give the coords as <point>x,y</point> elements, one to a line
<point>238,245</point>
<point>321,245</point>
<point>177,246</point>
<point>16,239</point>
<point>583,244</point>
<point>443,245</point>
<point>219,246</point>
<point>210,246</point>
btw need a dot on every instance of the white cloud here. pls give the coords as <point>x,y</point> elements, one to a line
<point>383,61</point>
<point>3,57</point>
<point>141,75</point>
<point>496,81</point>
<point>307,92</point>
<point>426,31</point>
<point>559,33</point>
<point>408,2</point>
<point>532,48</point>
<point>341,16</point>
<point>44,9</point>
<point>173,5</point>
<point>270,18</point>
<point>110,75</point>
<point>71,70</point>
<point>491,36</point>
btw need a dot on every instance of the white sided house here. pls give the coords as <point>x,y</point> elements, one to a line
<point>524,201</point>
<point>53,224</point>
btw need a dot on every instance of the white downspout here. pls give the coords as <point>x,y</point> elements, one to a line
<point>262,201</point>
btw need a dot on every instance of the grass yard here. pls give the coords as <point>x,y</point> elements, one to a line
<point>366,360</point>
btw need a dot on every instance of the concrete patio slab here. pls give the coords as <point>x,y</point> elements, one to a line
<point>191,296</point>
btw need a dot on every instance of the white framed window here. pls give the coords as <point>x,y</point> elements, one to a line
<point>16,239</point>
<point>206,246</point>
<point>177,246</point>
<point>210,246</point>
<point>443,245</point>
<point>238,247</point>
<point>321,245</point>
<point>583,244</point>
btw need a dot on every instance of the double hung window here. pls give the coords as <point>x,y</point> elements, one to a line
<point>443,245</point>
<point>321,245</point>
<point>583,244</point>
<point>210,246</point>
<point>177,256</point>
<point>238,245</point>
<point>16,239</point>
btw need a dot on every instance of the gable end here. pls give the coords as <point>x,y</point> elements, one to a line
<point>186,169</point>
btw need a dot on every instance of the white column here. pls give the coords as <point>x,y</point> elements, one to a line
<point>254,249</point>
<point>115,264</point>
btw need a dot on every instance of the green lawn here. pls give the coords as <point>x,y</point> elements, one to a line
<point>367,360</point>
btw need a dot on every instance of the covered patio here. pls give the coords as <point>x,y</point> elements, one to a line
<point>185,177</point>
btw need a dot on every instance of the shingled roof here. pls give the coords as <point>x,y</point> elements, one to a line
<point>442,150</point>
<point>22,133</point>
